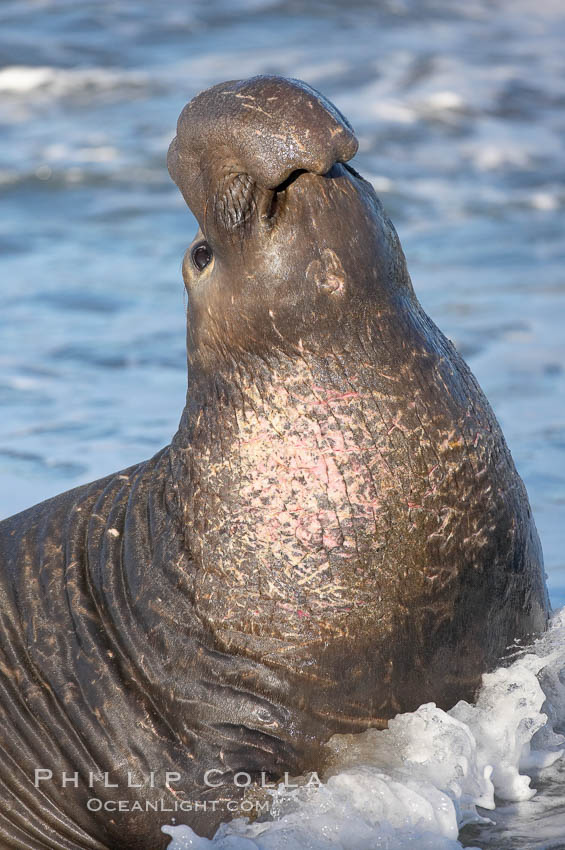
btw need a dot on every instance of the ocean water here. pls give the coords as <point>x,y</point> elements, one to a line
<point>460,112</point>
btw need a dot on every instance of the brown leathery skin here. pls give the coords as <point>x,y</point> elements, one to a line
<point>336,533</point>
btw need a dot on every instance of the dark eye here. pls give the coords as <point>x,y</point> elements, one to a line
<point>201,255</point>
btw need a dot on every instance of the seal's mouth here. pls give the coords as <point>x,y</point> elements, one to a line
<point>278,200</point>
<point>272,203</point>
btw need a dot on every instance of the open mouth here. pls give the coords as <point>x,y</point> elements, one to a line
<point>239,199</point>
<point>278,199</point>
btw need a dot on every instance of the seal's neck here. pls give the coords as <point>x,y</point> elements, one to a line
<point>276,480</point>
<point>297,483</point>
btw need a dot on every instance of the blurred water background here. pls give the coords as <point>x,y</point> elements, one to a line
<point>460,111</point>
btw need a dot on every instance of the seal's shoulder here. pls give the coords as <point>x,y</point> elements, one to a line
<point>42,532</point>
<point>60,504</point>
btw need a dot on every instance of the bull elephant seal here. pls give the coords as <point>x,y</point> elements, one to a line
<point>336,533</point>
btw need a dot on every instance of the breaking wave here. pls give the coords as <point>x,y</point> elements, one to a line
<point>419,782</point>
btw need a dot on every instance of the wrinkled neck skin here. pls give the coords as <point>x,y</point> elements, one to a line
<point>318,492</point>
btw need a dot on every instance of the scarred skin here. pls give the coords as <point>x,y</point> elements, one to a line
<point>336,533</point>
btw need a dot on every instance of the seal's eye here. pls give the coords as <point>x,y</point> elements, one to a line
<point>201,255</point>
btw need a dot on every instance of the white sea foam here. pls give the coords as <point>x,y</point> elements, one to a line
<point>544,201</point>
<point>26,81</point>
<point>417,783</point>
<point>17,80</point>
<point>441,100</point>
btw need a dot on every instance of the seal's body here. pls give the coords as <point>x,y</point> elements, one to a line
<point>336,533</point>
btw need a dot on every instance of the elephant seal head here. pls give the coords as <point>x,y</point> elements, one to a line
<point>286,249</point>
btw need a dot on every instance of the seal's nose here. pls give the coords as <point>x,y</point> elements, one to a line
<point>263,129</point>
